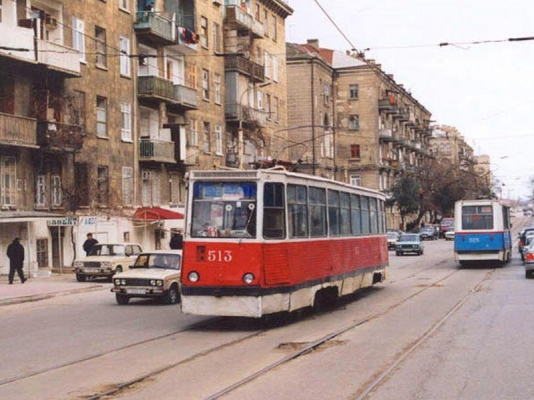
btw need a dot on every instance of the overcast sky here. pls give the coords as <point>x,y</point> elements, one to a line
<point>484,90</point>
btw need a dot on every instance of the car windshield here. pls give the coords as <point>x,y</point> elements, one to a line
<point>158,261</point>
<point>409,238</point>
<point>108,250</point>
<point>392,235</point>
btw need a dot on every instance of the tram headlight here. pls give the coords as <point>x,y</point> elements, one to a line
<point>248,278</point>
<point>193,276</point>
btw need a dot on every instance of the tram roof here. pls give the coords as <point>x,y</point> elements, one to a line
<point>281,175</point>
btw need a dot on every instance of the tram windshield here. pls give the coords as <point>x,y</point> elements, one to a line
<point>224,209</point>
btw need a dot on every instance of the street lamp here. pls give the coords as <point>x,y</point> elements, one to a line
<point>240,141</point>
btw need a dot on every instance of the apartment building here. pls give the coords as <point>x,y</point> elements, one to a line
<point>351,120</point>
<point>105,106</point>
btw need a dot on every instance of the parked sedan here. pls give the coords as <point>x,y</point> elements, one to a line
<point>409,243</point>
<point>155,274</point>
<point>449,235</point>
<point>528,260</point>
<point>392,240</point>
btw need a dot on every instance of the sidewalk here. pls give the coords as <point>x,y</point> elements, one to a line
<point>41,288</point>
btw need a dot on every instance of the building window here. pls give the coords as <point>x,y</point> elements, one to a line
<point>81,181</point>
<point>101,116</point>
<point>8,168</point>
<point>355,151</point>
<point>356,180</point>
<point>326,93</point>
<point>267,64</point>
<point>123,4</point>
<point>40,191</point>
<point>259,98</point>
<point>274,30</point>
<point>100,39</point>
<point>150,188</point>
<point>218,140</point>
<point>205,84</point>
<point>103,185</point>
<point>268,105</point>
<point>216,37</point>
<point>126,129</point>
<point>353,91</point>
<point>204,32</point>
<point>266,22</point>
<point>275,109</point>
<point>275,68</point>
<point>206,137</point>
<point>193,133</point>
<point>217,88</point>
<point>124,48</point>
<point>354,122</point>
<point>127,186</point>
<point>78,37</point>
<point>56,192</point>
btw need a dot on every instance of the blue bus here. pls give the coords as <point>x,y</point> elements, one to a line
<point>482,232</point>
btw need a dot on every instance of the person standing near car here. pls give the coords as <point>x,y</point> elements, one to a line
<point>15,253</point>
<point>89,243</point>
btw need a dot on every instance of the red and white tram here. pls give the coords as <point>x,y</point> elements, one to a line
<point>259,242</point>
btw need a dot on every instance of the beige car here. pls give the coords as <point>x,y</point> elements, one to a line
<point>105,260</point>
<point>155,274</point>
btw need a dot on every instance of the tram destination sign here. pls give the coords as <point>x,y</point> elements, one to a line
<point>67,221</point>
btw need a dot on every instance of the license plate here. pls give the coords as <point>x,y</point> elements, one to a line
<point>92,270</point>
<point>136,291</point>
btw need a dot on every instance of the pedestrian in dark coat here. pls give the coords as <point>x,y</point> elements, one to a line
<point>15,252</point>
<point>177,241</point>
<point>89,243</point>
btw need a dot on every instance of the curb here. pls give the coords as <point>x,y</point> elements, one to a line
<point>44,296</point>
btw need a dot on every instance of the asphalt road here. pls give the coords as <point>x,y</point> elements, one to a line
<point>434,331</point>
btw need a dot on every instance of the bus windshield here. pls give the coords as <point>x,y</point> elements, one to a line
<point>224,209</point>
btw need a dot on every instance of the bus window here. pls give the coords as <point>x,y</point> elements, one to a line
<point>297,198</point>
<point>317,206</point>
<point>273,211</point>
<point>477,217</point>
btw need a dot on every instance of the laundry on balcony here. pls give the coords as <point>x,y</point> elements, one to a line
<point>187,36</point>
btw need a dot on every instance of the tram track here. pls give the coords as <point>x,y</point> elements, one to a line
<point>309,347</point>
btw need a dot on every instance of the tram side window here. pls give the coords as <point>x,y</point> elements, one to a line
<point>355,212</point>
<point>365,215</point>
<point>477,217</point>
<point>317,207</point>
<point>373,214</point>
<point>344,222</point>
<point>382,217</point>
<point>333,213</point>
<point>273,211</point>
<point>297,198</point>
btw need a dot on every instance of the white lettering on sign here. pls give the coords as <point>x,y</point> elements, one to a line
<point>220,255</point>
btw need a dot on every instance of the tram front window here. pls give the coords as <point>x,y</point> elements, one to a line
<point>224,209</point>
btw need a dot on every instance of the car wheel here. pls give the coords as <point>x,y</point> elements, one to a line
<point>528,274</point>
<point>122,299</point>
<point>172,296</point>
<point>398,253</point>
<point>80,277</point>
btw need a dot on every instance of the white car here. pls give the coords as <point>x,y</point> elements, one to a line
<point>449,235</point>
<point>155,274</point>
<point>105,260</point>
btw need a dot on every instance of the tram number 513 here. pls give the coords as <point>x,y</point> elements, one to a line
<point>220,255</point>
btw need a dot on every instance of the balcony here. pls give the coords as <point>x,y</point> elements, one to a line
<point>59,137</point>
<point>388,135</point>
<point>18,131</point>
<point>153,29</point>
<point>239,19</point>
<point>58,57</point>
<point>154,90</point>
<point>246,114</point>
<point>157,151</point>
<point>389,106</point>
<point>245,66</point>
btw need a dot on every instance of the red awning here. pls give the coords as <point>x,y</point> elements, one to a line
<point>156,214</point>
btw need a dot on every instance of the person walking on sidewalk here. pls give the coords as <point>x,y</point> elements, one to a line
<point>15,252</point>
<point>89,243</point>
